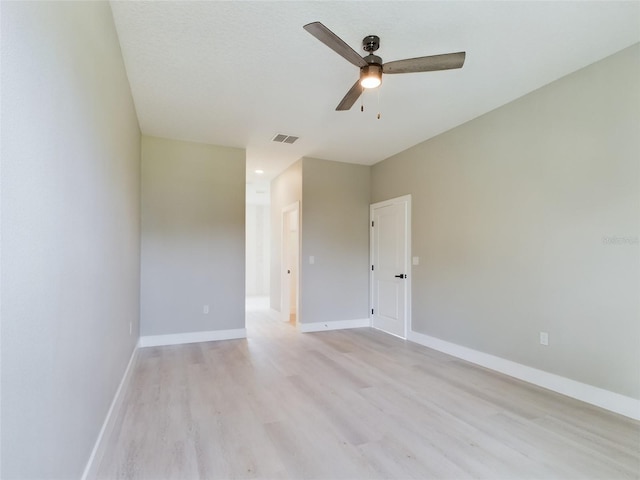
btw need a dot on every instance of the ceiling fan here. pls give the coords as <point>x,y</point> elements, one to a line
<point>371,66</point>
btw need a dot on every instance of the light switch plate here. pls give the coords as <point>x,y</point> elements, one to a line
<point>544,338</point>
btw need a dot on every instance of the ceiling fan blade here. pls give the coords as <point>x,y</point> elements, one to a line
<point>335,43</point>
<point>431,63</point>
<point>350,98</point>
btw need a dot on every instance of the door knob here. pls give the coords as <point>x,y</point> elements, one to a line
<point>402,275</point>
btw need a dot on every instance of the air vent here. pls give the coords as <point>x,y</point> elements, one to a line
<point>281,138</point>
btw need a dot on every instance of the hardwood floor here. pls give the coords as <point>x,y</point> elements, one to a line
<point>350,404</point>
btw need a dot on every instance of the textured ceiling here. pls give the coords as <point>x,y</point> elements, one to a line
<point>236,73</point>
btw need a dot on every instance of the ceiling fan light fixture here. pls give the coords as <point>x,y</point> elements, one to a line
<point>371,76</point>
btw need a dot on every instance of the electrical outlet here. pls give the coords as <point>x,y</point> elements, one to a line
<point>544,338</point>
<point>312,260</point>
<point>416,260</point>
<point>205,309</point>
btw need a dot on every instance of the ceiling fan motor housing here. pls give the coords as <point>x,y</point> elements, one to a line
<point>372,59</point>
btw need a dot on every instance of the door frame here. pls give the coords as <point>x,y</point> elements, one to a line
<point>406,200</point>
<point>284,250</point>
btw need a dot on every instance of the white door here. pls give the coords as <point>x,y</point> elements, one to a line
<point>390,251</point>
<point>289,263</point>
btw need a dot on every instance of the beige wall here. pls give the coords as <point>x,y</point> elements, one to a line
<point>335,231</point>
<point>334,215</point>
<point>513,219</point>
<point>70,232</point>
<point>193,237</point>
<point>286,189</point>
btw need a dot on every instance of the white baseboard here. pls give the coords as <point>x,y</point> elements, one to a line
<point>627,406</point>
<point>90,469</point>
<point>335,325</point>
<point>191,337</point>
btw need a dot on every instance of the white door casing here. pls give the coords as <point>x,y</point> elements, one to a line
<point>390,278</point>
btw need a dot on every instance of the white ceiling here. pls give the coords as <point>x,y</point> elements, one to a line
<point>236,73</point>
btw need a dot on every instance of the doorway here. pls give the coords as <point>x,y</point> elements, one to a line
<point>290,264</point>
<point>258,245</point>
<point>390,279</point>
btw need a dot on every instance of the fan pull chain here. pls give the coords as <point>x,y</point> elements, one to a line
<point>379,104</point>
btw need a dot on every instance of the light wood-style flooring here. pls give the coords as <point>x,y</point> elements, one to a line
<point>350,404</point>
